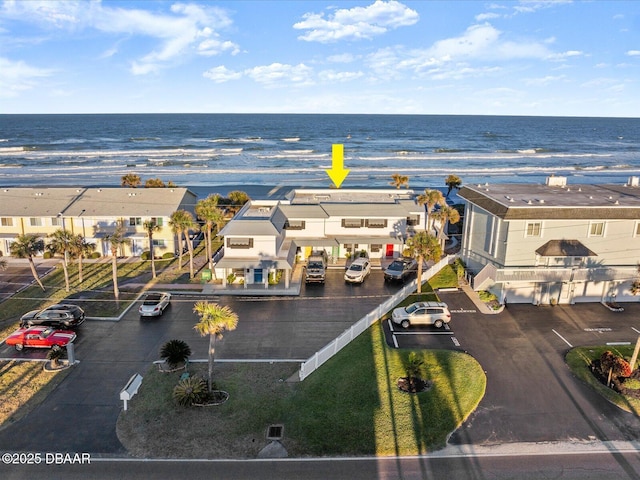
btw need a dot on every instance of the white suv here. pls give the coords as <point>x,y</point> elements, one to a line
<point>358,270</point>
<point>422,313</point>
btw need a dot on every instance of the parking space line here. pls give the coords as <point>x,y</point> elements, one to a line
<point>564,339</point>
<point>635,330</point>
<point>390,325</point>
<point>455,341</point>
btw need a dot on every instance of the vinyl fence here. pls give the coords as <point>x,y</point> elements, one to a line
<point>321,356</point>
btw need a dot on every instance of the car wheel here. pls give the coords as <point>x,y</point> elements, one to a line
<point>405,323</point>
<point>438,323</point>
<point>56,348</point>
<point>19,347</point>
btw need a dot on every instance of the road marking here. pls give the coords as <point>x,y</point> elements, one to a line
<point>618,343</point>
<point>599,330</point>
<point>564,339</point>
<point>395,341</point>
<point>455,341</point>
<point>637,331</point>
<point>423,333</point>
<point>461,310</point>
<point>447,327</point>
<point>390,325</point>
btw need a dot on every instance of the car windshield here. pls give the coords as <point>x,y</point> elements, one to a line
<point>356,268</point>
<point>45,333</point>
<point>152,300</point>
<point>315,265</point>
<point>411,308</point>
<point>399,266</point>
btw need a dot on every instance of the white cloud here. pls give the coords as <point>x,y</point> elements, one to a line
<point>281,75</point>
<point>356,23</point>
<point>633,53</point>
<point>332,76</point>
<point>16,77</point>
<point>543,81</point>
<point>342,58</point>
<point>222,74</point>
<point>564,55</point>
<point>487,16</point>
<point>187,28</point>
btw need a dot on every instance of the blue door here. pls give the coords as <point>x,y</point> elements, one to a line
<point>257,275</point>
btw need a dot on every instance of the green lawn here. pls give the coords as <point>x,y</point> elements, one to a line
<point>350,406</point>
<point>579,359</point>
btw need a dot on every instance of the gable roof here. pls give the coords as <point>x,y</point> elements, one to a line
<point>564,248</point>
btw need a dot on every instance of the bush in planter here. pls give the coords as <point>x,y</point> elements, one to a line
<point>189,391</point>
<point>175,352</point>
<point>55,355</point>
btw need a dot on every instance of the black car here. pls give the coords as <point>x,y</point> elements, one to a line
<point>61,315</point>
<point>400,269</point>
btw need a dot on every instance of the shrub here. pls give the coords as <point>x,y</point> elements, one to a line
<point>175,352</point>
<point>146,255</point>
<point>167,255</point>
<point>632,384</point>
<point>47,255</point>
<point>55,355</point>
<point>459,267</point>
<point>189,391</point>
<point>621,368</point>
<point>95,255</point>
<point>231,278</point>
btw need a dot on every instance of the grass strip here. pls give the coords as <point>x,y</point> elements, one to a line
<point>350,406</point>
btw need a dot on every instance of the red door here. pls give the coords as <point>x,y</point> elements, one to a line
<point>389,250</point>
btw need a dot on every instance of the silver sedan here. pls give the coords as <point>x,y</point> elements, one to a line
<point>154,304</point>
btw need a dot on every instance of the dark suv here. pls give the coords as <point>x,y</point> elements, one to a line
<point>400,269</point>
<point>61,315</point>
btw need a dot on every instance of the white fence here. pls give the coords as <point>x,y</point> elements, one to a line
<point>321,356</point>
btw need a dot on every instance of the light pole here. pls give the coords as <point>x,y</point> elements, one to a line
<point>80,215</point>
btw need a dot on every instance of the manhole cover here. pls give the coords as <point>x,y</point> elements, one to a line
<point>275,432</point>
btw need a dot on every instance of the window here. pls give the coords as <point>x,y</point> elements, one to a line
<point>133,221</point>
<point>35,222</point>
<point>56,221</point>
<point>240,242</point>
<point>534,229</point>
<point>376,223</point>
<point>295,225</point>
<point>596,229</point>
<point>412,220</point>
<point>158,242</point>
<point>6,222</point>
<point>352,222</point>
<point>157,221</point>
<point>375,247</point>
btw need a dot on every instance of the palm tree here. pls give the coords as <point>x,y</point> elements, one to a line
<point>80,249</point>
<point>430,198</point>
<point>116,241</point>
<point>399,181</point>
<point>27,246</point>
<point>452,181</point>
<point>182,222</point>
<point>208,211</point>
<point>130,180</point>
<point>214,321</point>
<point>424,246</point>
<point>62,243</point>
<point>444,215</point>
<point>154,183</point>
<point>151,227</point>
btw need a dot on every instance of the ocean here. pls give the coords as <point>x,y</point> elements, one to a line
<point>206,150</point>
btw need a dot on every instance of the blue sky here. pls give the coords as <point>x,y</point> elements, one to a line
<point>574,58</point>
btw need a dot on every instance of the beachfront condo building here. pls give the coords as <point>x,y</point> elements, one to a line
<point>93,213</point>
<point>267,236</point>
<point>553,243</point>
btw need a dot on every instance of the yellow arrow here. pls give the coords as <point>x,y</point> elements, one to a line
<point>337,172</point>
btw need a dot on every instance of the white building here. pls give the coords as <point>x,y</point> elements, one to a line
<point>553,243</point>
<point>266,236</point>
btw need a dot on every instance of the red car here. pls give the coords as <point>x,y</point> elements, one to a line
<point>40,337</point>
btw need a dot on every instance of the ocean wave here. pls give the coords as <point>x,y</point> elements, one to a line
<point>291,139</point>
<point>144,139</point>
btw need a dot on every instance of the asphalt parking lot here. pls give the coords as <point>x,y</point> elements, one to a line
<point>531,395</point>
<point>18,276</point>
